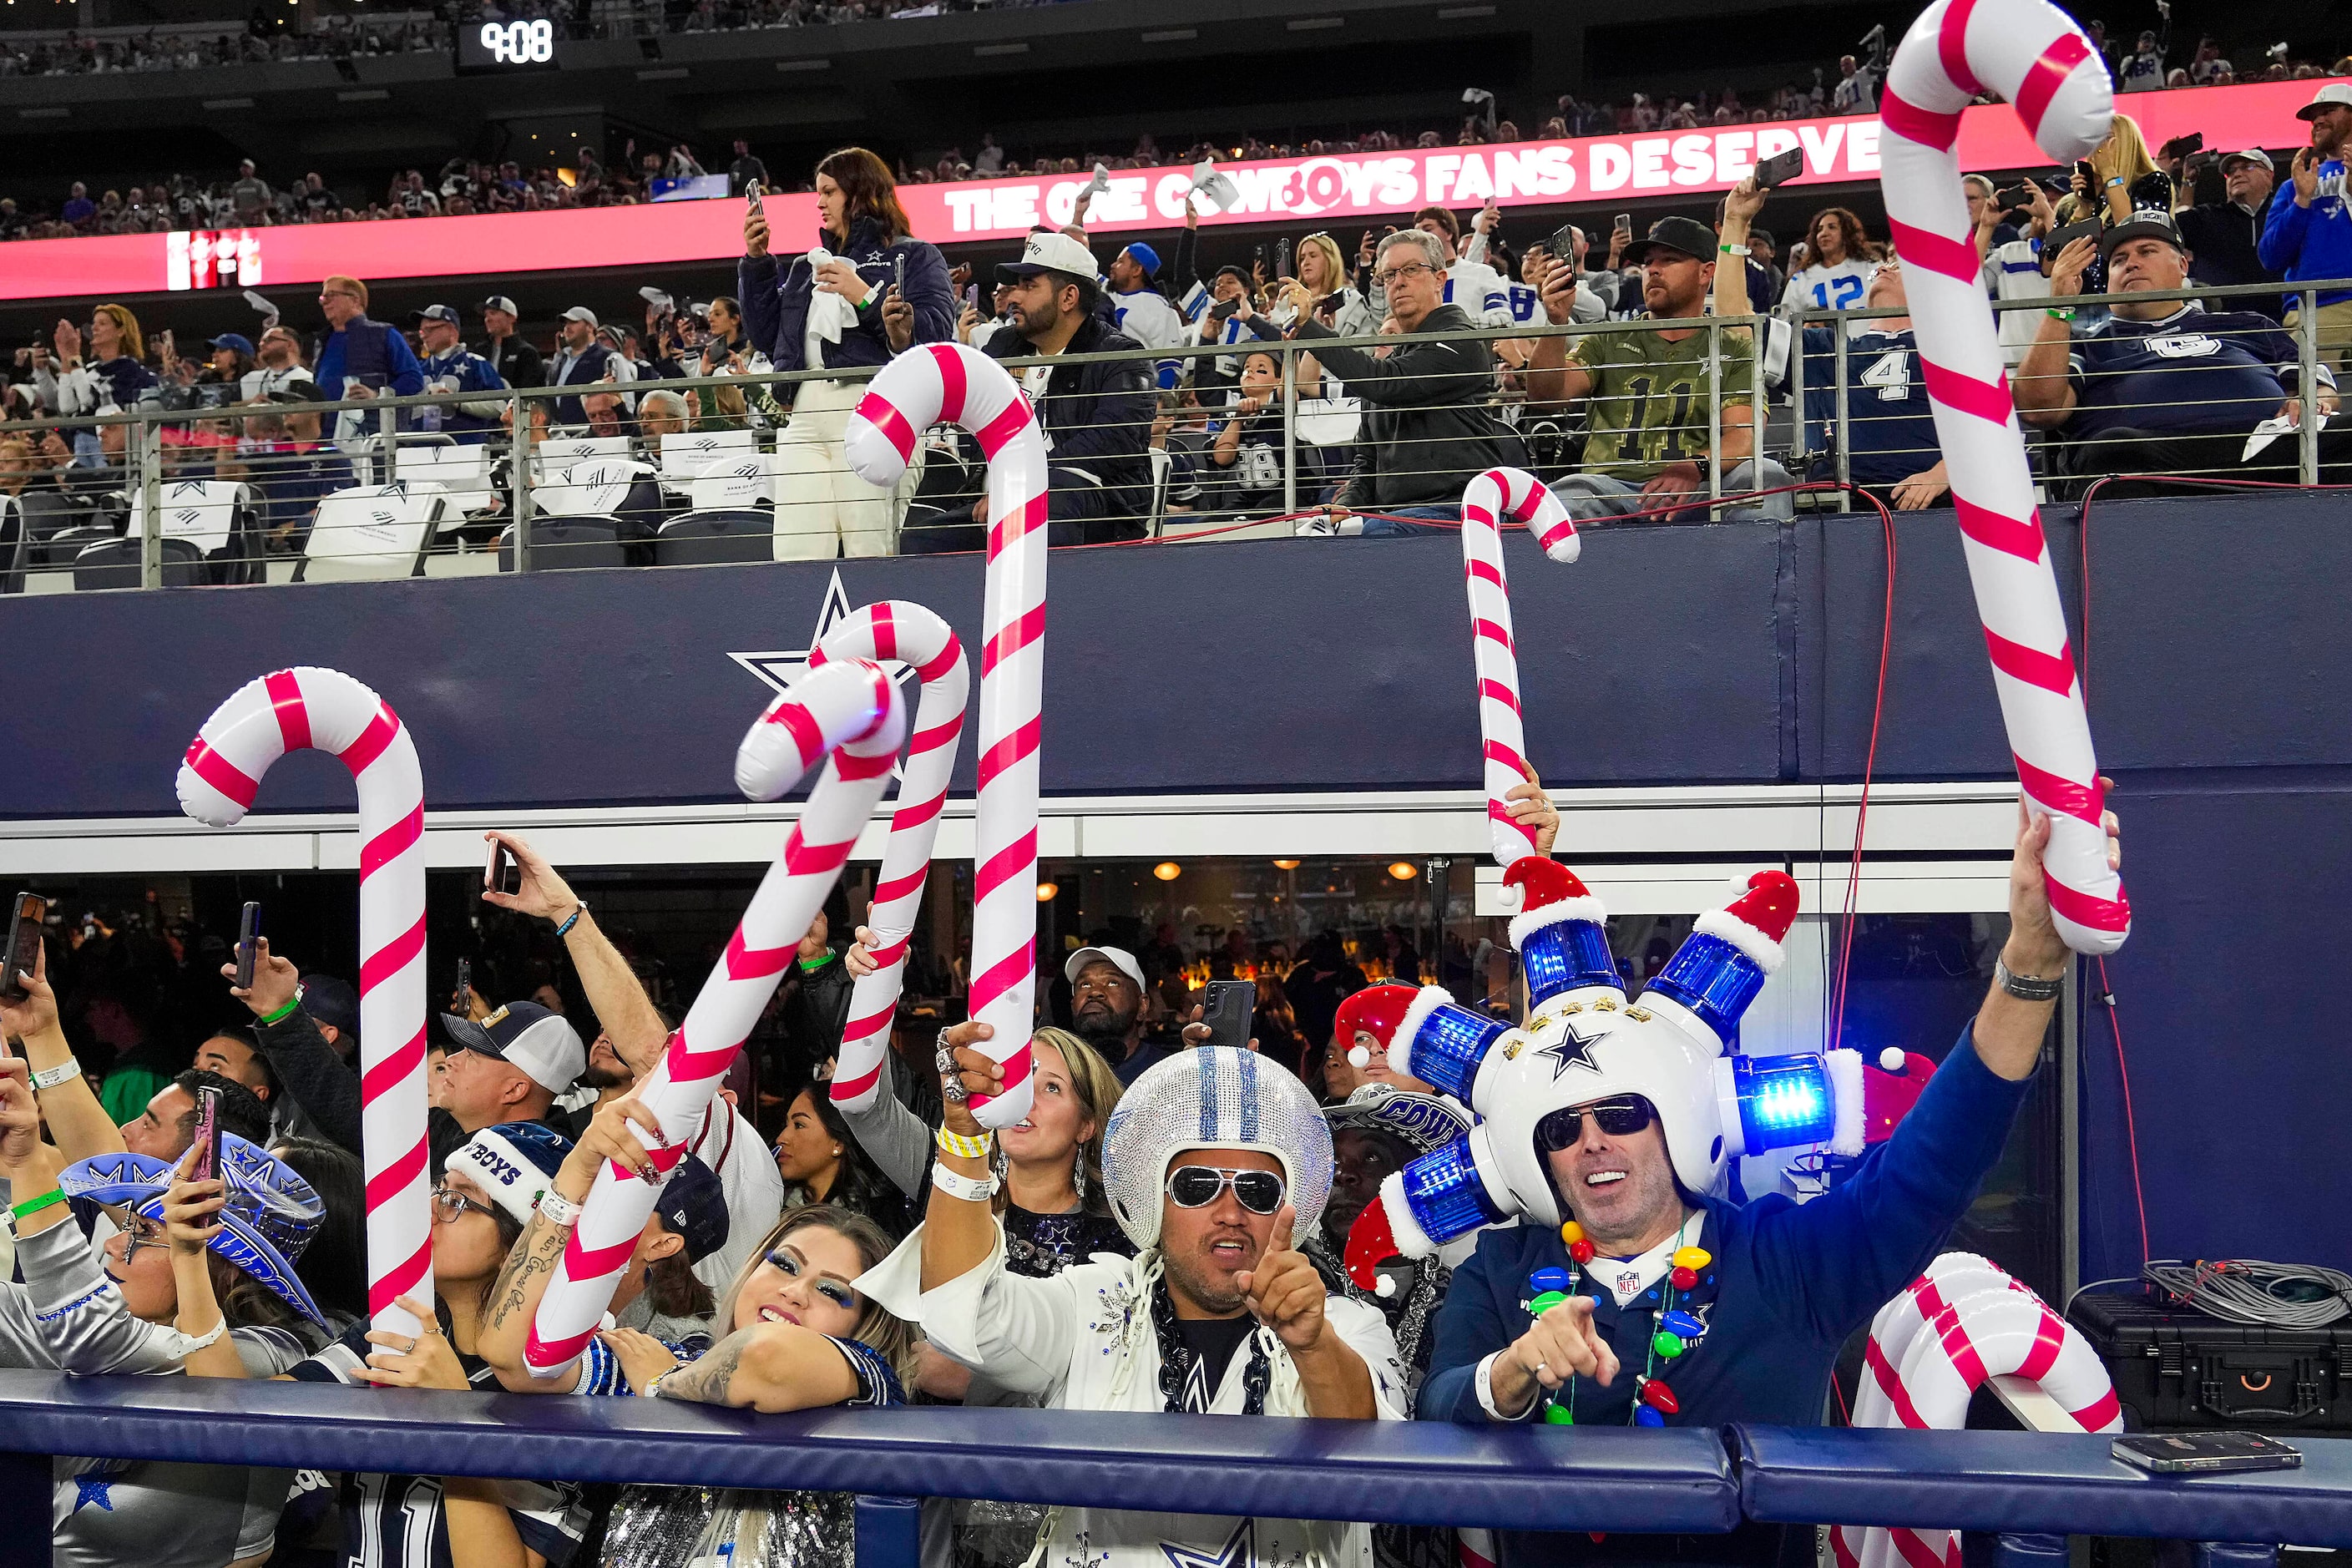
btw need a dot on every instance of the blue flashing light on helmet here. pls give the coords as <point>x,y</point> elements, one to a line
<point>1774,1102</point>
<point>1446,1196</point>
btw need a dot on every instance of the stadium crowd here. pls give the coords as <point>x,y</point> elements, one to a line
<point>805,1252</point>
<point>465,186</point>
<point>1638,404</point>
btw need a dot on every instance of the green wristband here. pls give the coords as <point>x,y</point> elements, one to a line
<point>286,1012</point>
<point>31,1207</point>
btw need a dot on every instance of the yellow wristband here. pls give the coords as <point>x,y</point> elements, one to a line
<point>957,1144</point>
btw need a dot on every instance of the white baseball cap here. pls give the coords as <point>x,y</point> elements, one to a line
<point>2251,155</point>
<point>1050,251</point>
<point>2327,97</point>
<point>1119,958</point>
<point>527,1037</point>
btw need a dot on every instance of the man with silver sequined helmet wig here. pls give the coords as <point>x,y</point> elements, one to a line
<point>1645,1297</point>
<point>1215,1160</point>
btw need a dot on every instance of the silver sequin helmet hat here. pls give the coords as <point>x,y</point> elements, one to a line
<point>1212,1098</point>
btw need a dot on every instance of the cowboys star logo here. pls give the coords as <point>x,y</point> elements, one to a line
<point>1240,1550</point>
<point>778,668</point>
<point>1572,1049</point>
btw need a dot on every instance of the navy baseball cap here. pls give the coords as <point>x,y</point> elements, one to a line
<point>332,1001</point>
<point>693,1204</point>
<point>436,313</point>
<point>237,341</point>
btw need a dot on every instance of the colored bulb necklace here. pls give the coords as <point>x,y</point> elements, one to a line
<point>1675,1330</point>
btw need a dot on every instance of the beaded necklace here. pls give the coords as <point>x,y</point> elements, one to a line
<point>1678,1330</point>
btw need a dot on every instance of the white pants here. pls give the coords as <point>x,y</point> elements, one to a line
<point>822,508</point>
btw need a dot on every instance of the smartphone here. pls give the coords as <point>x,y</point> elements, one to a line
<point>2205,1452</point>
<point>2090,175</point>
<point>1227,1011</point>
<point>499,872</point>
<point>2182,146</point>
<point>207,1139</point>
<point>23,954</point>
<point>899,273</point>
<point>1282,257</point>
<point>1780,168</point>
<point>1561,244</point>
<point>2059,239</point>
<point>248,936</point>
<point>461,1000</point>
<point>972,296</point>
<point>1623,223</point>
<point>753,192</point>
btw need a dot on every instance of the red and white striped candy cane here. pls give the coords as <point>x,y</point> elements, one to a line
<point>2030,53</point>
<point>850,716</point>
<point>308,709</point>
<point>895,629</point>
<point>949,383</point>
<point>1493,497</point>
<point>1994,1332</point>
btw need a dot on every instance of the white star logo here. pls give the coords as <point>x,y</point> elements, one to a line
<point>1240,1550</point>
<point>779,668</point>
<point>1571,1049</point>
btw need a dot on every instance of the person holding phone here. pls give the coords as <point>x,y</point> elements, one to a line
<point>826,309</point>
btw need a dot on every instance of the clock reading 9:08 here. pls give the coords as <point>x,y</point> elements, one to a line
<point>520,43</point>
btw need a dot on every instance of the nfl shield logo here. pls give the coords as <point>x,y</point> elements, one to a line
<point>1628,1283</point>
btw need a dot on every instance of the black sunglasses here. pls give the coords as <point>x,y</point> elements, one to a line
<point>1197,1186</point>
<point>1619,1118</point>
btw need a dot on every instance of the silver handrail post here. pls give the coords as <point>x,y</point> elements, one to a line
<point>1845,421</point>
<point>1290,429</point>
<point>1713,410</point>
<point>2307,387</point>
<point>151,503</point>
<point>521,480</point>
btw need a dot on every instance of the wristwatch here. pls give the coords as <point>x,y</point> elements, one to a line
<point>2025,987</point>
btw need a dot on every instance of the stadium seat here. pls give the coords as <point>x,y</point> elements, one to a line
<point>218,517</point>
<point>462,469</point>
<point>702,538</point>
<point>735,483</point>
<point>560,452</point>
<point>567,543</point>
<point>114,563</point>
<point>59,551</point>
<point>49,513</point>
<point>687,455</point>
<point>369,533</point>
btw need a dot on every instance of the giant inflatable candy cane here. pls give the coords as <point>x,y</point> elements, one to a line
<point>947,383</point>
<point>848,714</point>
<point>1962,1322</point>
<point>895,629</point>
<point>2031,54</point>
<point>1493,497</point>
<point>305,709</point>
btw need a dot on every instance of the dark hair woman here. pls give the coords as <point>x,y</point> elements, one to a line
<point>866,291</point>
<point>822,1163</point>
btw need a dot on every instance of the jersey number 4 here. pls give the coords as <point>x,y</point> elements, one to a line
<point>1891,373</point>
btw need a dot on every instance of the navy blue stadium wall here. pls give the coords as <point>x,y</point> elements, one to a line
<point>2219,654</point>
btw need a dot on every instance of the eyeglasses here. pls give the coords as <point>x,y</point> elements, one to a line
<point>145,1233</point>
<point>452,1203</point>
<point>1197,1186</point>
<point>1407,270</point>
<point>1619,1118</point>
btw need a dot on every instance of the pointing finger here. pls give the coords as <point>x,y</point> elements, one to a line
<point>1285,1222</point>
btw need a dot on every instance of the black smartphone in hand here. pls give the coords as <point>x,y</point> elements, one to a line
<point>461,1000</point>
<point>499,872</point>
<point>24,956</point>
<point>1228,1012</point>
<point>1780,168</point>
<point>248,938</point>
<point>207,1140</point>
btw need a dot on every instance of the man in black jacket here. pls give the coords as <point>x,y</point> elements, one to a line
<point>510,353</point>
<point>1428,424</point>
<point>2222,236</point>
<point>1097,417</point>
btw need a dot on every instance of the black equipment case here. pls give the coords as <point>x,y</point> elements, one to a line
<point>2179,1368</point>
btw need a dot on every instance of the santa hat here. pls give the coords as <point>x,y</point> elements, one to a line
<point>1426,1033</point>
<point>1718,972</point>
<point>1561,931</point>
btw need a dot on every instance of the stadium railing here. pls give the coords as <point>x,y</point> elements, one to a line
<point>2022,1488</point>
<point>248,493</point>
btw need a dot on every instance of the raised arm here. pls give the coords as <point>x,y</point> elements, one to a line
<point>2044,383</point>
<point>327,1090</point>
<point>1553,379</point>
<point>1741,205</point>
<point>959,1233</point>
<point>77,1121</point>
<point>612,1134</point>
<point>612,987</point>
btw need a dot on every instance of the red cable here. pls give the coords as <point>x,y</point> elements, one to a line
<point>1839,1389</point>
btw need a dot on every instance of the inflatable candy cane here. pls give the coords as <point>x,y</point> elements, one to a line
<point>1494,496</point>
<point>306,709</point>
<point>1958,1324</point>
<point>895,629</point>
<point>850,715</point>
<point>947,383</point>
<point>2030,53</point>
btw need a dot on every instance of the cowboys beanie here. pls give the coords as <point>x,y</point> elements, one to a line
<point>513,1162</point>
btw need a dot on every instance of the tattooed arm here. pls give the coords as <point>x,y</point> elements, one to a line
<point>767,1367</point>
<point>530,1263</point>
